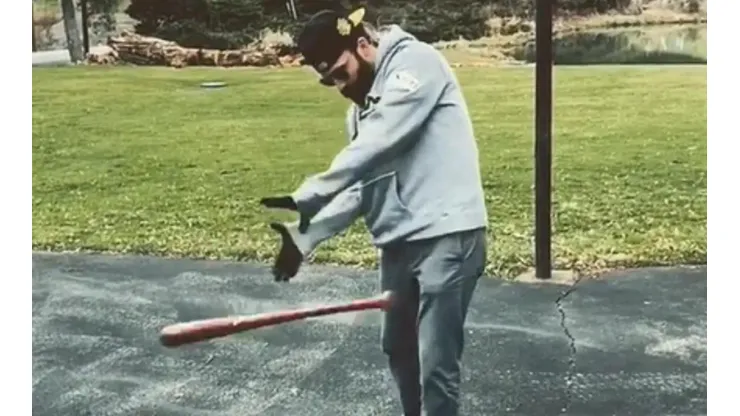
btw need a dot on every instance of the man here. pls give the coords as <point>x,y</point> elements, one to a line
<point>411,170</point>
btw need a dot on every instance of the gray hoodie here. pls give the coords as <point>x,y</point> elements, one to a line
<point>411,168</point>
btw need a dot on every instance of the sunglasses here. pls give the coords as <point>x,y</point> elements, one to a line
<point>336,75</point>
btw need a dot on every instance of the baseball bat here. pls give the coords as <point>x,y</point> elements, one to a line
<point>201,330</point>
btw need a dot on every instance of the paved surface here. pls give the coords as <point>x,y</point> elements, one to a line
<point>632,344</point>
<point>59,57</point>
<point>50,58</point>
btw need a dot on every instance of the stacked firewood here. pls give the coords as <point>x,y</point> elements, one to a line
<point>136,49</point>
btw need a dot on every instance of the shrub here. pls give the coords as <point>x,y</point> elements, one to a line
<point>223,24</point>
<point>432,20</point>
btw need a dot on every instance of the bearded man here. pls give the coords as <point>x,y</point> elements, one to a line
<point>411,170</point>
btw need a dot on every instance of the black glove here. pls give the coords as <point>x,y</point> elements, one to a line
<point>287,202</point>
<point>282,202</point>
<point>289,258</point>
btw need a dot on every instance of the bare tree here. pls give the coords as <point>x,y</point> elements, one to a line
<point>33,31</point>
<point>74,43</point>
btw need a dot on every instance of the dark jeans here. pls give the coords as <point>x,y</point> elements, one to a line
<point>423,333</point>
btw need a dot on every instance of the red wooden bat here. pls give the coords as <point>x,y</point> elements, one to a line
<point>201,330</point>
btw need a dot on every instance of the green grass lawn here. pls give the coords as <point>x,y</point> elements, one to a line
<point>141,160</point>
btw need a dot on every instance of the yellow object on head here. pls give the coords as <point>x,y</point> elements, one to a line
<point>344,26</point>
<point>356,16</point>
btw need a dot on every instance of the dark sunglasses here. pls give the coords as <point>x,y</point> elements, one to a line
<point>339,74</point>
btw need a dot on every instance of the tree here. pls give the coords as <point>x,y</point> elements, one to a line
<point>74,43</point>
<point>103,16</point>
<point>33,30</point>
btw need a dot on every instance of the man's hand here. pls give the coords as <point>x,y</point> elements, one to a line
<point>289,258</point>
<point>287,202</point>
<point>281,202</point>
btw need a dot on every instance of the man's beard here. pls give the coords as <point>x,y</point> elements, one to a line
<point>361,87</point>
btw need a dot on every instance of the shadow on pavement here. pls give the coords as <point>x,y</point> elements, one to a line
<point>633,343</point>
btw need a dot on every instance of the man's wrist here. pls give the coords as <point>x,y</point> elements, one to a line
<point>308,205</point>
<point>308,241</point>
<point>301,240</point>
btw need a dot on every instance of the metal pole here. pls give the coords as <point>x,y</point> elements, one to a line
<point>85,28</point>
<point>543,138</point>
<point>292,11</point>
<point>33,31</point>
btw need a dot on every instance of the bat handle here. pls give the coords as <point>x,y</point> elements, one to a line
<point>388,298</point>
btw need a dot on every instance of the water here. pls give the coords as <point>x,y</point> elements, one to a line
<point>685,44</point>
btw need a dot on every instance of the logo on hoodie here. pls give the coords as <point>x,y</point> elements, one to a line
<point>370,102</point>
<point>403,81</point>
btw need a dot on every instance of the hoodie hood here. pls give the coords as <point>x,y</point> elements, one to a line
<point>391,39</point>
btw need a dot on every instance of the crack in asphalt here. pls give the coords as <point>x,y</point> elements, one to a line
<point>570,373</point>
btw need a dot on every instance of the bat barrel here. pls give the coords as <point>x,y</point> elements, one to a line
<point>202,330</point>
<point>183,338</point>
<point>190,332</point>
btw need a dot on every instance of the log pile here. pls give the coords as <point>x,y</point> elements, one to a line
<point>135,49</point>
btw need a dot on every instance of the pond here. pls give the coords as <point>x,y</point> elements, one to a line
<point>685,44</point>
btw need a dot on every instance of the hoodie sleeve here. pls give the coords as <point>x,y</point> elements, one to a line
<point>333,219</point>
<point>414,84</point>
<point>337,215</point>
